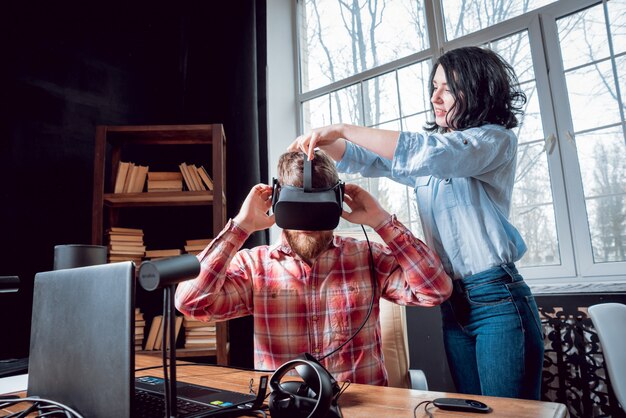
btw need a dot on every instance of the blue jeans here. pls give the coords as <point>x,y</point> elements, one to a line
<point>492,335</point>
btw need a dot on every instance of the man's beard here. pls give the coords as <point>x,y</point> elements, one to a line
<point>308,245</point>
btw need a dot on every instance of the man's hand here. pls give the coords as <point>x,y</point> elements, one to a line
<point>364,208</point>
<point>253,214</point>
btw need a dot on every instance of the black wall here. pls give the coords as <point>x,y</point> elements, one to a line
<point>68,67</point>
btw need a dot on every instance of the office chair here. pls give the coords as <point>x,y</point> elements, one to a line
<point>396,348</point>
<point>609,319</point>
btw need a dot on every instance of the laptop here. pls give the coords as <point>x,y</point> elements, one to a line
<point>82,348</point>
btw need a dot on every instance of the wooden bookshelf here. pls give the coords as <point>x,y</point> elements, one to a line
<point>115,143</point>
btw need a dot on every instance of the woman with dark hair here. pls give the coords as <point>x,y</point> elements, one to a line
<point>462,168</point>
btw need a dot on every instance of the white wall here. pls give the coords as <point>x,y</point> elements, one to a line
<point>281,83</point>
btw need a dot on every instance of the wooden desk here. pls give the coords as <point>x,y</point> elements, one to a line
<point>364,401</point>
<point>358,401</point>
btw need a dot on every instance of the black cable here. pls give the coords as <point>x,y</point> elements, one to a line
<point>46,404</point>
<point>369,310</point>
<point>428,413</point>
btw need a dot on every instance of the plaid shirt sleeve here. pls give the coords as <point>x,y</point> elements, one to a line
<point>410,272</point>
<point>223,289</point>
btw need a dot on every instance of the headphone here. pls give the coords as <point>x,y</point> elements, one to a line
<point>315,396</point>
<point>306,208</point>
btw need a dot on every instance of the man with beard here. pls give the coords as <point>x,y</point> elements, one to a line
<point>311,291</point>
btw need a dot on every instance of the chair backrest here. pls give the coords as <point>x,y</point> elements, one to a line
<point>395,343</point>
<point>609,319</point>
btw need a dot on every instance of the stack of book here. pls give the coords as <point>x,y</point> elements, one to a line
<point>157,254</point>
<point>140,325</point>
<point>125,244</point>
<point>154,341</point>
<point>164,181</point>
<point>130,178</point>
<point>199,334</point>
<point>196,178</point>
<point>195,246</point>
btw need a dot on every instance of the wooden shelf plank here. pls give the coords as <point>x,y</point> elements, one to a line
<point>158,199</point>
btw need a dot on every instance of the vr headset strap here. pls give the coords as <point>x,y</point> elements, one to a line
<point>308,176</point>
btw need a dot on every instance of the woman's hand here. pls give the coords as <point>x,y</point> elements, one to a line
<point>364,208</point>
<point>253,214</point>
<point>329,138</point>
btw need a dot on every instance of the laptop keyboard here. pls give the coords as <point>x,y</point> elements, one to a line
<point>149,405</point>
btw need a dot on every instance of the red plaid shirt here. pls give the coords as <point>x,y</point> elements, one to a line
<point>299,308</point>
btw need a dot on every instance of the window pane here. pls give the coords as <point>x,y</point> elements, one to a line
<point>530,128</point>
<point>617,20</point>
<point>515,50</point>
<point>316,112</point>
<point>413,87</point>
<point>466,16</point>
<point>346,105</point>
<point>583,37</point>
<point>532,184</point>
<point>381,99</point>
<point>603,170</point>
<point>532,208</point>
<point>532,211</point>
<point>536,224</point>
<point>415,123</point>
<point>339,39</point>
<point>608,228</point>
<point>591,93</point>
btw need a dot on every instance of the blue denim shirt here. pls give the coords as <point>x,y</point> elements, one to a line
<point>463,182</point>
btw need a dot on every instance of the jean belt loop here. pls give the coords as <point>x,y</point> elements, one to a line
<point>510,269</point>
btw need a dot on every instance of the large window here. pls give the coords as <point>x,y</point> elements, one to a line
<point>367,62</point>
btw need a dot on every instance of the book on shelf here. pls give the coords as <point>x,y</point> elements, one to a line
<point>127,179</point>
<point>165,185</point>
<point>140,325</point>
<point>125,244</point>
<point>164,175</point>
<point>125,231</point>
<point>196,246</point>
<point>196,177</point>
<point>125,238</point>
<point>199,334</point>
<point>158,342</point>
<point>165,181</point>
<point>155,326</point>
<point>138,178</point>
<point>184,169</point>
<point>200,241</point>
<point>204,175</point>
<point>134,248</point>
<point>120,177</point>
<point>163,253</point>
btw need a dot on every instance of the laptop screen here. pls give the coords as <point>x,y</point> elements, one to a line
<point>81,345</point>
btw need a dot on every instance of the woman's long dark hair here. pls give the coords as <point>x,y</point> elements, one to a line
<point>484,86</point>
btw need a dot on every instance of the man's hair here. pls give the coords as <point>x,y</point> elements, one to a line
<point>291,166</point>
<point>484,86</point>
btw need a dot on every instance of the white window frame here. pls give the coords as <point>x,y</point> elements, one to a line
<point>577,271</point>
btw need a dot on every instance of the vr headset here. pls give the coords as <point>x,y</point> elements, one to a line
<point>306,208</point>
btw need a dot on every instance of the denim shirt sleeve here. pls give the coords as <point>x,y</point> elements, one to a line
<point>360,160</point>
<point>468,153</point>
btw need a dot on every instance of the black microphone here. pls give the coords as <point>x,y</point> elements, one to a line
<point>166,273</point>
